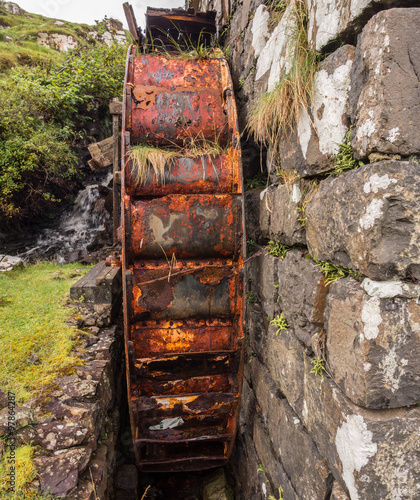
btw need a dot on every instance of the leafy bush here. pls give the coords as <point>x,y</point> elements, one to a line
<point>44,110</point>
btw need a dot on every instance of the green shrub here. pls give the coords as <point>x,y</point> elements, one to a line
<point>44,109</point>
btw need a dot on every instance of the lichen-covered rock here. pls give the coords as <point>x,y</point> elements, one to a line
<point>332,20</point>
<point>274,58</point>
<point>375,452</point>
<point>59,435</point>
<point>368,219</point>
<point>301,294</point>
<point>59,472</point>
<point>285,226</point>
<point>309,150</point>
<point>385,92</point>
<point>62,43</point>
<point>373,341</point>
<point>22,416</point>
<point>13,8</point>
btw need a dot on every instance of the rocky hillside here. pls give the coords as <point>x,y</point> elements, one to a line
<point>56,81</point>
<point>25,36</point>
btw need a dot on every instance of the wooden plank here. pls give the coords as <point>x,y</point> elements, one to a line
<point>131,21</point>
<point>102,152</point>
<point>115,107</point>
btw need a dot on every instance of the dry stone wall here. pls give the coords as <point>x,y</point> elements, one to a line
<point>352,433</point>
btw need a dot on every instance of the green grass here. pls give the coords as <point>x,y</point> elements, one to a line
<point>18,40</point>
<point>33,316</point>
<point>344,159</point>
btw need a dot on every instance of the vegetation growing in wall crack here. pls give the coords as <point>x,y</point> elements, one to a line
<point>318,367</point>
<point>280,322</point>
<point>277,249</point>
<point>278,111</point>
<point>280,490</point>
<point>332,273</point>
<point>259,181</point>
<point>309,191</point>
<point>344,160</point>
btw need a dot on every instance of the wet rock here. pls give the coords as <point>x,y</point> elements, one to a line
<point>310,149</point>
<point>368,220</point>
<point>301,294</point>
<point>285,226</point>
<point>385,95</point>
<point>373,342</point>
<point>59,472</point>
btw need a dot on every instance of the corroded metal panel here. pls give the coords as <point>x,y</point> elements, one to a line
<point>174,101</point>
<point>182,239</point>
<point>186,226</point>
<point>204,291</point>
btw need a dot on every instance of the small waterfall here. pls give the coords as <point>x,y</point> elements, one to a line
<point>77,228</point>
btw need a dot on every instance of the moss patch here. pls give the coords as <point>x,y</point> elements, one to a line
<point>36,341</point>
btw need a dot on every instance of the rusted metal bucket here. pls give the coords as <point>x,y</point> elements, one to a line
<point>183,236</point>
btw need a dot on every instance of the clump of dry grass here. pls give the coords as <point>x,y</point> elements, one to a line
<point>146,158</point>
<point>278,111</point>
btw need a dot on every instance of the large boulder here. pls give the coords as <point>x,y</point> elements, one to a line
<point>385,90</point>
<point>334,20</point>
<point>373,341</point>
<point>368,219</point>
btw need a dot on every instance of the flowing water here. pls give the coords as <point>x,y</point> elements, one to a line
<point>76,230</point>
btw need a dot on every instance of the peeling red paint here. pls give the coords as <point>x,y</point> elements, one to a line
<point>183,266</point>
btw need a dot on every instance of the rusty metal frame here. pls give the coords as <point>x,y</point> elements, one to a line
<point>183,319</point>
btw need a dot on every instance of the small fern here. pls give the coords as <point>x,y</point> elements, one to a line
<point>280,323</point>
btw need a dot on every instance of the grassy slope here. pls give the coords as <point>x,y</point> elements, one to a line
<point>19,35</point>
<point>33,317</point>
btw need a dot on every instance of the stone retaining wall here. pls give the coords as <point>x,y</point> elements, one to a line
<point>75,424</point>
<point>352,433</point>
